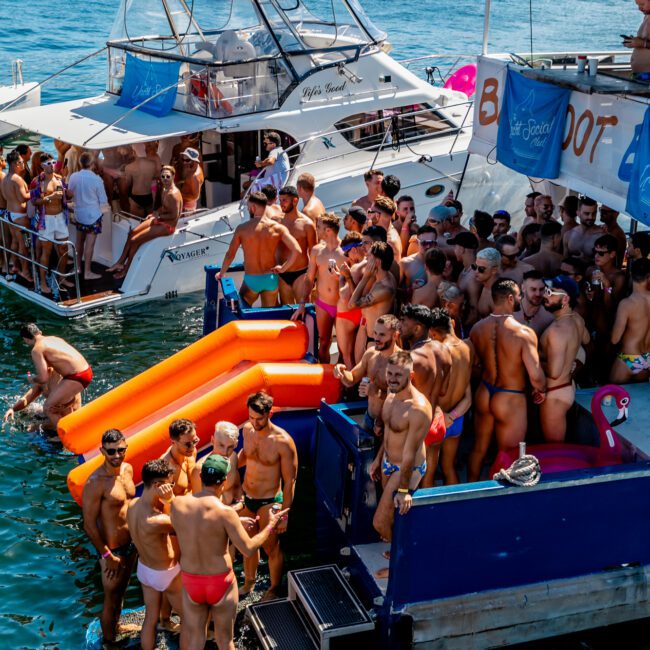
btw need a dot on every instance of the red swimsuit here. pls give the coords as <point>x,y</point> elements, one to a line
<point>207,589</point>
<point>84,377</point>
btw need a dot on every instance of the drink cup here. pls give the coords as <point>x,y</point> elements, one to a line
<point>593,65</point>
<point>581,62</point>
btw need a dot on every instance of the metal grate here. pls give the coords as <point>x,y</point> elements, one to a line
<point>279,626</point>
<point>330,598</point>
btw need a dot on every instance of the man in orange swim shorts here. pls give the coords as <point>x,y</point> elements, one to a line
<point>204,526</point>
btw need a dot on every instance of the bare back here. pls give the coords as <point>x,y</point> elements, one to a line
<point>150,532</point>
<point>559,346</point>
<point>303,231</point>
<point>15,192</point>
<point>460,373</point>
<point>142,172</point>
<point>633,318</point>
<point>59,355</point>
<point>260,239</point>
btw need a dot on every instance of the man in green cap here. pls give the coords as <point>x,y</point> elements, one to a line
<point>204,526</point>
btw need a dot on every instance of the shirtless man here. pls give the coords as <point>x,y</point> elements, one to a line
<point>457,399</point>
<point>224,442</point>
<point>609,219</point>
<point>273,209</point>
<point>53,352</point>
<point>511,267</point>
<point>348,320</point>
<point>181,454</point>
<point>5,235</point>
<point>151,529</point>
<point>431,368</point>
<point>260,238</point>
<point>632,329</point>
<point>373,368</point>
<point>302,229</point>
<point>548,260</point>
<point>312,206</point>
<point>354,219</point>
<point>375,293</point>
<point>559,347</point>
<point>501,224</point>
<point>106,497</point>
<point>486,271</point>
<point>49,198</point>
<point>406,222</point>
<point>543,209</point>
<point>271,460</point>
<point>372,178</point>
<point>532,312</point>
<point>507,353</point>
<point>140,175</point>
<point>640,59</point>
<point>382,213</point>
<point>579,241</point>
<point>413,273</point>
<point>204,526</point>
<point>569,213</point>
<point>38,390</point>
<point>401,461</point>
<point>427,295</point>
<point>16,195</point>
<point>324,260</point>
<point>192,179</point>
<point>161,223</point>
<point>465,247</point>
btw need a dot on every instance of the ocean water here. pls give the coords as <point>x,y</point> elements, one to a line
<point>49,585</point>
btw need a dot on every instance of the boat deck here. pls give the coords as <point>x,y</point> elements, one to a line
<point>615,82</point>
<point>636,429</point>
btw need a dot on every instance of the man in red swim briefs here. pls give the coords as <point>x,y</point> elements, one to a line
<point>53,352</point>
<point>203,526</point>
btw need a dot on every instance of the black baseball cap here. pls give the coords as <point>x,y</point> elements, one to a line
<point>358,214</point>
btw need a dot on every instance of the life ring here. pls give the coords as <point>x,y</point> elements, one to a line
<point>463,80</point>
<point>199,88</point>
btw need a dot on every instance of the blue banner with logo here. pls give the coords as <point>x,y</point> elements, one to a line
<point>531,126</point>
<point>638,192</point>
<point>144,79</point>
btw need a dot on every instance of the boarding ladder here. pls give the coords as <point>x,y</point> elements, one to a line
<point>321,611</point>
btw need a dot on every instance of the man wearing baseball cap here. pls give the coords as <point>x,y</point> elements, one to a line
<point>559,346</point>
<point>355,218</point>
<point>192,179</point>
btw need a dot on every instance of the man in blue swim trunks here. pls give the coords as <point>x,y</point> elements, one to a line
<point>457,399</point>
<point>401,461</point>
<point>507,353</point>
<point>259,239</point>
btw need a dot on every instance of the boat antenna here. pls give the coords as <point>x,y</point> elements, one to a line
<point>486,27</point>
<point>530,19</point>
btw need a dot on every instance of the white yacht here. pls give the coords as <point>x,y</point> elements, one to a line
<point>17,95</point>
<point>325,83</point>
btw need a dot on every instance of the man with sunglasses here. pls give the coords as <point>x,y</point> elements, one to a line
<point>276,165</point>
<point>181,454</point>
<point>486,271</point>
<point>192,178</point>
<point>106,497</point>
<point>413,273</point>
<point>511,267</point>
<point>559,348</point>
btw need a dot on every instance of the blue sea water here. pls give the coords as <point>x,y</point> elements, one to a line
<point>49,586</point>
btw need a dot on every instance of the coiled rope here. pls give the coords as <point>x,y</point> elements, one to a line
<point>525,472</point>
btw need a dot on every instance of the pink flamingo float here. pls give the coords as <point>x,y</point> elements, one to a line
<point>562,457</point>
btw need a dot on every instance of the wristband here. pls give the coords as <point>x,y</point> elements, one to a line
<point>105,555</point>
<point>270,528</point>
<point>454,414</point>
<point>403,491</point>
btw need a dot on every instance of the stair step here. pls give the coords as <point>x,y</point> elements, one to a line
<point>279,626</point>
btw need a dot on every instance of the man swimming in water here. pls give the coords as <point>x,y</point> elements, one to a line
<point>106,497</point>
<point>373,367</point>
<point>181,454</point>
<point>401,461</point>
<point>507,352</point>
<point>53,352</point>
<point>271,460</point>
<point>204,526</point>
<point>151,529</point>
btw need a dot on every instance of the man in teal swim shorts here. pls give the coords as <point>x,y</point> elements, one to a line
<point>259,239</point>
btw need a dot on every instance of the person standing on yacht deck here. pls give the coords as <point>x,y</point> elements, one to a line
<point>139,176</point>
<point>547,260</point>
<point>401,460</point>
<point>105,500</point>
<point>486,271</point>
<point>158,562</point>
<point>406,222</point>
<point>579,241</point>
<point>161,223</point>
<point>372,179</point>
<point>382,213</point>
<point>192,178</point>
<point>181,454</point>
<point>303,231</point>
<point>273,209</point>
<point>276,164</point>
<point>89,194</point>
<point>640,61</point>
<point>354,219</point>
<point>465,247</point>
<point>511,268</point>
<point>609,219</point>
<point>271,460</point>
<point>413,273</point>
<point>531,309</point>
<point>312,206</point>
<point>16,195</point>
<point>260,238</point>
<point>507,354</point>
<point>324,261</point>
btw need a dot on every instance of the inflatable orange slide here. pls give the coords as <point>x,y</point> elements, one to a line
<point>208,381</point>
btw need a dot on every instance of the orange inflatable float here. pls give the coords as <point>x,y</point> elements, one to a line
<point>184,377</point>
<point>300,385</point>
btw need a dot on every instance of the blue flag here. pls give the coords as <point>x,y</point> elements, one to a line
<point>638,192</point>
<point>531,126</point>
<point>144,79</point>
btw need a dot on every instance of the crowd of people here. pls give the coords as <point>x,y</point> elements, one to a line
<point>65,197</point>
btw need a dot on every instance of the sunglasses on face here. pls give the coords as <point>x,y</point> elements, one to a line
<point>191,444</point>
<point>115,450</point>
<point>427,242</point>
<point>600,253</point>
<point>480,269</point>
<point>166,177</point>
<point>548,292</point>
<point>47,163</point>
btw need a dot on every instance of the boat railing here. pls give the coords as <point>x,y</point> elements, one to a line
<point>17,73</point>
<point>30,234</point>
